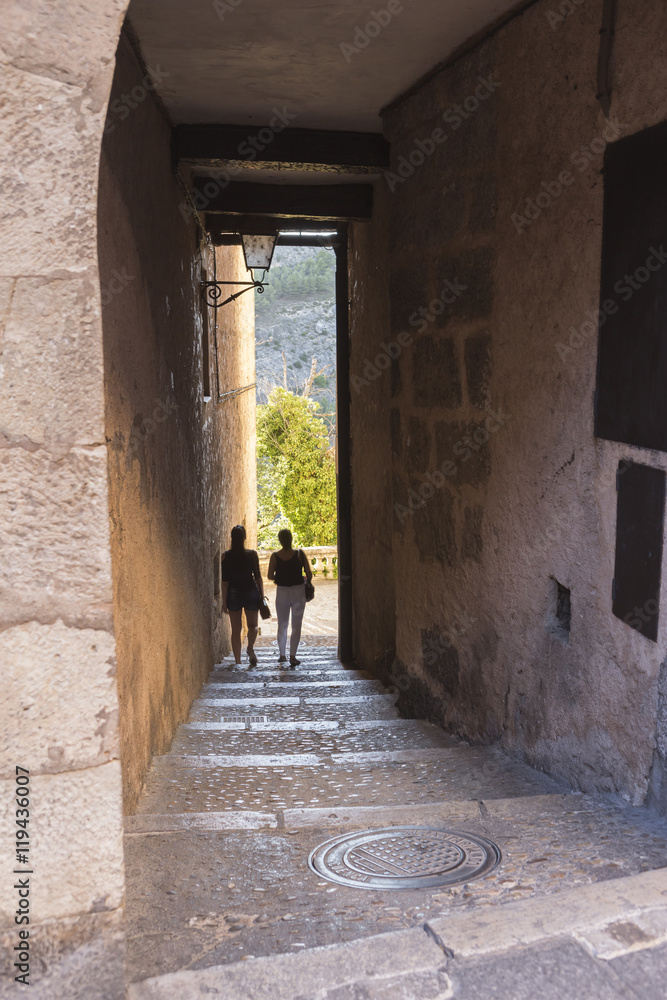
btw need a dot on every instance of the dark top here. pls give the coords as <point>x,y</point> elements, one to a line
<point>238,568</point>
<point>288,571</point>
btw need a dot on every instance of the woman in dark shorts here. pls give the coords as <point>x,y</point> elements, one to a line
<point>242,590</point>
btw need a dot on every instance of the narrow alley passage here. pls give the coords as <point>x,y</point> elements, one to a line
<point>272,764</point>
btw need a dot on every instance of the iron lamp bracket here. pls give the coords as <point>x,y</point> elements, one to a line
<point>213,291</point>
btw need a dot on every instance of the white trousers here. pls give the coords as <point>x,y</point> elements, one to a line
<point>290,599</point>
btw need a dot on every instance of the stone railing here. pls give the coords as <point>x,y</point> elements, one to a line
<point>323,560</point>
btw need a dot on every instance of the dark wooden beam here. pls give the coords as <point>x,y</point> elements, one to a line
<point>314,201</point>
<point>260,225</point>
<point>294,146</point>
<point>284,240</point>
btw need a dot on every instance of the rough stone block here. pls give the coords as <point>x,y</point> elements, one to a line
<point>55,521</point>
<point>46,667</point>
<point>71,44</point>
<point>417,453</point>
<point>435,530</point>
<point>396,432</point>
<point>483,203</point>
<point>411,227</point>
<point>369,964</point>
<point>48,203</point>
<point>417,699</point>
<point>396,383</point>
<point>532,921</point>
<point>400,495</point>
<point>436,379</point>
<point>471,543</point>
<point>76,845</point>
<point>471,275</point>
<point>441,660</point>
<point>7,286</point>
<point>446,216</point>
<point>561,970</point>
<point>52,377</point>
<point>408,290</point>
<point>477,356</point>
<point>465,449</point>
<point>81,958</point>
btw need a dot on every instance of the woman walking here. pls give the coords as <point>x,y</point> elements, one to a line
<point>242,590</point>
<point>285,568</point>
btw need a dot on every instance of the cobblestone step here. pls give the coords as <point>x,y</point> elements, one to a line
<point>269,767</point>
<point>175,785</point>
<point>250,892</point>
<point>190,740</point>
<point>286,676</point>
<point>602,941</point>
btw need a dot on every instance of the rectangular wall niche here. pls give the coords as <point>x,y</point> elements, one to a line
<point>639,531</point>
<point>631,402</point>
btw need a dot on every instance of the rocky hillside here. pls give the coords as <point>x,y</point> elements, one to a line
<point>296,317</point>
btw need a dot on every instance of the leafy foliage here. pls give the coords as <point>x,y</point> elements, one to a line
<point>296,470</point>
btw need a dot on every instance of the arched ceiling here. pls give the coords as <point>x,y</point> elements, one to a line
<point>234,61</point>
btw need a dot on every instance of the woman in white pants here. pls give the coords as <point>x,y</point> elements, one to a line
<point>285,567</point>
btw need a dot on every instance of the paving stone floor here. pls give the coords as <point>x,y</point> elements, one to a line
<point>217,854</point>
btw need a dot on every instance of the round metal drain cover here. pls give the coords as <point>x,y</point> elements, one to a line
<point>404,857</point>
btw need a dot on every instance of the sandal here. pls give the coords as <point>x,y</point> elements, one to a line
<point>252,658</point>
<point>293,662</point>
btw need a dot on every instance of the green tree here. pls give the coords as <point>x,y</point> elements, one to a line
<point>295,440</point>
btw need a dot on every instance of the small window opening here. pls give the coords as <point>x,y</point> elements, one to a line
<point>216,574</point>
<point>561,616</point>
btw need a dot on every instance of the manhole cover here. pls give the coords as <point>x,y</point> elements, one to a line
<point>404,857</point>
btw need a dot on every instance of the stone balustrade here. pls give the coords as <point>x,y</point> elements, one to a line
<point>323,560</point>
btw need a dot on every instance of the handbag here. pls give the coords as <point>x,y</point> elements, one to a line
<point>310,590</point>
<point>264,609</point>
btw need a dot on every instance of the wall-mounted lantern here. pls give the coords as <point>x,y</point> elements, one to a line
<point>258,254</point>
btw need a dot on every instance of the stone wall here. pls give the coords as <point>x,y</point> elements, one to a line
<point>181,462</point>
<point>59,705</point>
<point>500,489</point>
<point>372,381</point>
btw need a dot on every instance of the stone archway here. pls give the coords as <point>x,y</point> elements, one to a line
<point>59,708</point>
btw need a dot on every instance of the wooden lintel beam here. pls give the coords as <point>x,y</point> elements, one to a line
<point>202,144</point>
<point>256,225</point>
<point>284,240</point>
<point>313,201</point>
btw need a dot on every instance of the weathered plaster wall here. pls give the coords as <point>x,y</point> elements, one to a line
<point>527,496</point>
<point>179,465</point>
<point>236,350</point>
<point>59,706</point>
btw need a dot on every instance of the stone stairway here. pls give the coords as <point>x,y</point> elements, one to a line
<point>272,764</point>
